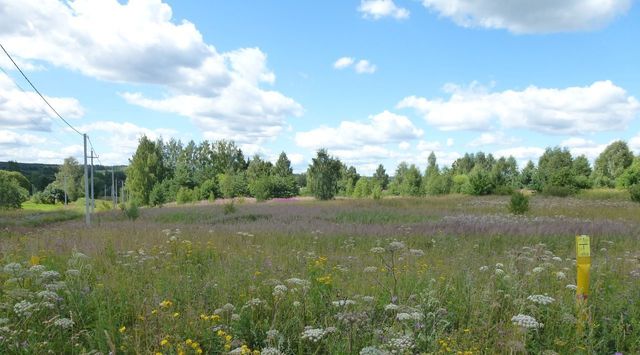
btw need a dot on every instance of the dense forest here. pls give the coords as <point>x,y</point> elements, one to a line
<point>161,172</point>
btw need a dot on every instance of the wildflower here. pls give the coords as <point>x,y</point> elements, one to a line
<point>36,269</point>
<point>13,268</point>
<point>50,275</point>
<point>391,307</point>
<point>499,272</point>
<point>395,246</point>
<point>23,308</point>
<point>370,350</point>
<point>314,335</point>
<point>343,303</point>
<point>320,261</point>
<point>279,291</point>
<point>416,252</point>
<point>176,315</point>
<point>484,268</point>
<point>416,316</point>
<point>377,250</point>
<point>164,342</point>
<point>325,280</point>
<point>296,304</point>
<point>561,275</point>
<point>401,344</point>
<point>72,273</point>
<point>48,296</point>
<point>122,329</point>
<point>368,299</point>
<point>556,258</point>
<point>541,299</point>
<point>500,266</point>
<point>525,321</point>
<point>165,304</point>
<point>538,269</point>
<point>270,351</point>
<point>571,287</point>
<point>370,269</point>
<point>63,323</point>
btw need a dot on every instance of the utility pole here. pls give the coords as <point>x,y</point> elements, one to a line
<point>93,200</point>
<point>87,215</point>
<point>65,189</point>
<point>116,200</point>
<point>113,185</point>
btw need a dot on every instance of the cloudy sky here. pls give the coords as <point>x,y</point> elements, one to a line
<point>374,81</point>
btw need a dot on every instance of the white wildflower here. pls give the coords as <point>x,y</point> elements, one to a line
<point>370,269</point>
<point>541,299</point>
<point>279,291</point>
<point>416,252</point>
<point>63,323</point>
<point>272,334</point>
<point>561,275</point>
<point>391,307</point>
<point>377,250</point>
<point>13,268</point>
<point>571,287</point>
<point>36,269</point>
<point>50,275</point>
<point>270,351</point>
<point>370,350</point>
<point>55,286</point>
<point>343,303</point>
<point>483,268</point>
<point>401,344</point>
<point>538,269</point>
<point>499,272</point>
<point>23,308</point>
<point>500,266</point>
<point>314,335</point>
<point>368,299</point>
<point>395,246</point>
<point>298,282</point>
<point>556,258</point>
<point>415,316</point>
<point>48,296</point>
<point>526,321</point>
<point>72,273</point>
<point>296,304</point>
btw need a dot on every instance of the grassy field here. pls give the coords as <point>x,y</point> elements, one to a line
<point>441,275</point>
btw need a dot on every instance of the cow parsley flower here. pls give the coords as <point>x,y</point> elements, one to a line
<point>23,308</point>
<point>343,303</point>
<point>279,291</point>
<point>414,316</point>
<point>63,323</point>
<point>377,250</point>
<point>561,275</point>
<point>314,335</point>
<point>391,307</point>
<point>370,350</point>
<point>370,269</point>
<point>396,245</point>
<point>541,299</point>
<point>571,287</point>
<point>525,321</point>
<point>271,351</point>
<point>401,344</point>
<point>538,269</point>
<point>483,268</point>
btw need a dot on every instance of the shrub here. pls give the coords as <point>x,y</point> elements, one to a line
<point>377,192</point>
<point>362,189</point>
<point>558,191</point>
<point>503,190</point>
<point>131,210</point>
<point>479,182</point>
<point>185,195</point>
<point>209,189</point>
<point>229,208</point>
<point>261,188</point>
<point>158,195</point>
<point>634,191</point>
<point>519,203</point>
<point>12,195</point>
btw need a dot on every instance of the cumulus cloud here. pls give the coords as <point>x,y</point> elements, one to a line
<point>13,139</point>
<point>41,155</point>
<point>365,67</point>
<point>383,128</point>
<point>497,138</point>
<point>145,46</point>
<point>26,110</point>
<point>581,146</point>
<point>343,62</point>
<point>530,16</point>
<point>601,106</point>
<point>377,9</point>
<point>634,143</point>
<point>522,154</point>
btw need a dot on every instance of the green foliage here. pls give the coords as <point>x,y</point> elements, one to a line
<point>407,181</point>
<point>70,177</point>
<point>558,191</point>
<point>555,168</point>
<point>479,182</point>
<point>209,189</point>
<point>630,176</point>
<point>233,184</point>
<point>348,179</point>
<point>261,188</point>
<point>12,195</point>
<point>18,177</point>
<point>363,188</point>
<point>185,195</point>
<point>283,186</point>
<point>581,170</point>
<point>376,194</point>
<point>527,175</point>
<point>634,192</point>
<point>519,203</point>
<point>460,184</point>
<point>145,170</point>
<point>158,195</point>
<point>381,177</point>
<point>229,208</point>
<point>323,175</point>
<point>611,163</point>
<point>131,210</point>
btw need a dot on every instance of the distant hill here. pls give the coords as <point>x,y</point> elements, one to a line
<point>41,175</point>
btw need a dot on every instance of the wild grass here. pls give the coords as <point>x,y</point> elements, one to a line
<point>192,279</point>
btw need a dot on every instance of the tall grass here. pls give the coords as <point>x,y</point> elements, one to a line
<point>297,282</point>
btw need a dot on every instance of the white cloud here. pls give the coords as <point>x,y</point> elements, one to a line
<point>13,139</point>
<point>26,110</point>
<point>429,146</point>
<point>580,146</point>
<point>122,138</point>
<point>343,62</point>
<point>634,143</point>
<point>404,145</point>
<point>497,138</point>
<point>601,106</point>
<point>365,67</point>
<point>530,16</point>
<point>383,128</point>
<point>144,46</point>
<point>522,154</point>
<point>377,9</point>
<point>41,155</point>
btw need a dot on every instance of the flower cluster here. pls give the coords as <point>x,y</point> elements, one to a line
<point>525,321</point>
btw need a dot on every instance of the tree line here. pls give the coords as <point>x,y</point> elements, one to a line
<point>161,172</point>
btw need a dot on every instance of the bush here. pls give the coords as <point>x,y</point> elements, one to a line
<point>519,203</point>
<point>229,208</point>
<point>479,182</point>
<point>362,189</point>
<point>12,195</point>
<point>261,188</point>
<point>558,191</point>
<point>209,189</point>
<point>158,195</point>
<point>185,195</point>
<point>377,192</point>
<point>634,191</point>
<point>131,210</point>
<point>503,190</point>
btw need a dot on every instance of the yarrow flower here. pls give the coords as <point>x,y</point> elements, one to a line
<point>270,351</point>
<point>279,291</point>
<point>415,316</point>
<point>314,335</point>
<point>370,269</point>
<point>395,246</point>
<point>370,350</point>
<point>541,299</point>
<point>401,344</point>
<point>571,287</point>
<point>484,268</point>
<point>343,303</point>
<point>561,275</point>
<point>391,307</point>
<point>525,321</point>
<point>377,250</point>
<point>538,269</point>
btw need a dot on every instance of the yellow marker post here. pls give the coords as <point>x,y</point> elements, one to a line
<point>583,264</point>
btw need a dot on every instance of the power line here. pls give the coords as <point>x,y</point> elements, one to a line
<point>37,91</point>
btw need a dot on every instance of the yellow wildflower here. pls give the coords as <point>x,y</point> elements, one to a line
<point>188,341</point>
<point>176,315</point>
<point>221,333</point>
<point>166,304</point>
<point>164,342</point>
<point>122,329</point>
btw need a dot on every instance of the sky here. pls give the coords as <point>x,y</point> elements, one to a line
<point>373,81</point>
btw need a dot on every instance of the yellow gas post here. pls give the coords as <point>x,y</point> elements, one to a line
<point>583,264</point>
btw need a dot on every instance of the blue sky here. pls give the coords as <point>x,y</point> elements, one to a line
<point>374,81</point>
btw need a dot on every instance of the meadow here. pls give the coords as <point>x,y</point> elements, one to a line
<point>436,275</point>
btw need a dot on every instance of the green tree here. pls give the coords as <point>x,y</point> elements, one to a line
<point>363,188</point>
<point>411,182</point>
<point>70,178</point>
<point>527,175</point>
<point>145,170</point>
<point>348,178</point>
<point>283,166</point>
<point>480,182</point>
<point>631,175</point>
<point>323,175</point>
<point>12,195</point>
<point>381,177</point>
<point>555,169</point>
<point>581,170</point>
<point>611,163</point>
